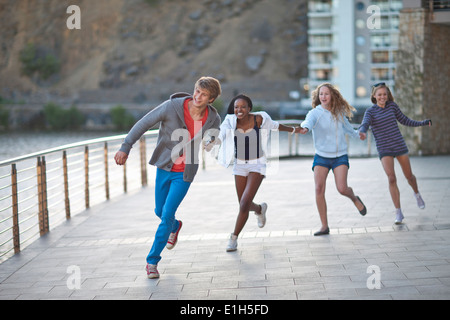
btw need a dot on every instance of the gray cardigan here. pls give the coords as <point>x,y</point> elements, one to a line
<point>171,142</point>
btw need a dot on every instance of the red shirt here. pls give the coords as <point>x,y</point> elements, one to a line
<point>193,127</point>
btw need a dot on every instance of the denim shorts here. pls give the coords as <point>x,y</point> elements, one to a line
<point>392,154</point>
<point>330,163</point>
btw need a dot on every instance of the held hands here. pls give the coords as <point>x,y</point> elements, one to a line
<point>294,130</point>
<point>210,144</point>
<point>301,130</point>
<point>428,122</point>
<point>362,136</point>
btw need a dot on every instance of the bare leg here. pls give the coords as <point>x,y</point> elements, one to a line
<point>406,168</point>
<point>388,165</point>
<point>246,188</point>
<point>340,176</point>
<point>320,179</point>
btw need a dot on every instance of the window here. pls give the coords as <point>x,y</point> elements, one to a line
<point>361,58</point>
<point>360,6</point>
<point>320,41</point>
<point>361,92</point>
<point>360,41</point>
<point>319,6</point>
<point>380,74</point>
<point>380,57</point>
<point>380,40</point>
<point>360,24</point>
<point>323,74</point>
<point>361,76</point>
<point>320,58</point>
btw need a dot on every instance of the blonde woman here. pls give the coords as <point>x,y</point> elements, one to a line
<point>328,123</point>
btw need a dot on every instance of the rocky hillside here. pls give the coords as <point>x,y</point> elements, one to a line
<point>139,49</point>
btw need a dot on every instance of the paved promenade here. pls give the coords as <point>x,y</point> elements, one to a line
<point>100,253</point>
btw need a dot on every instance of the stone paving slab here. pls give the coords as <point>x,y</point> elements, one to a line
<point>100,253</point>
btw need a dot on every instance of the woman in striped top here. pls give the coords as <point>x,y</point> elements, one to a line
<point>382,117</point>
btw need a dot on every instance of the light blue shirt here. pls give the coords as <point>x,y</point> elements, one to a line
<point>328,134</point>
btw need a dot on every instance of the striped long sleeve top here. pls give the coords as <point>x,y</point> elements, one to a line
<point>383,122</point>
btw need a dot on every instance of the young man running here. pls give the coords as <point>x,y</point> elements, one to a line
<point>182,117</point>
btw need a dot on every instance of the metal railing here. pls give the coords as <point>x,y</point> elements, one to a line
<point>41,190</point>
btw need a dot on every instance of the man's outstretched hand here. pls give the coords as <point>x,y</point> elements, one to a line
<point>121,157</point>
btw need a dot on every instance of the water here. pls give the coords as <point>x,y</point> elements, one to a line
<point>15,144</point>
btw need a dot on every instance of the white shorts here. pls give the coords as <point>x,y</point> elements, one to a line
<point>243,168</point>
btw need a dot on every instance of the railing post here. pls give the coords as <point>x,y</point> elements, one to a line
<point>142,150</point>
<point>125,188</point>
<point>86,176</point>
<point>15,207</point>
<point>290,143</point>
<point>44,189</point>
<point>39,187</point>
<point>105,152</point>
<point>42,195</point>
<point>66,185</point>
<point>203,155</point>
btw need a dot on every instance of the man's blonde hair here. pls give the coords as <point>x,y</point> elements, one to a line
<point>211,84</point>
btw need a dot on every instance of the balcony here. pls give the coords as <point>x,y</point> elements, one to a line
<point>437,5</point>
<point>388,7</point>
<point>319,8</point>
<point>439,9</point>
<point>320,43</point>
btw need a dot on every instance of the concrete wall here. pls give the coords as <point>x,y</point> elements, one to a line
<point>436,89</point>
<point>422,81</point>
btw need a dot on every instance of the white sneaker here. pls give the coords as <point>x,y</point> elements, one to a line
<point>420,202</point>
<point>152,271</point>
<point>399,217</point>
<point>262,216</point>
<point>232,243</point>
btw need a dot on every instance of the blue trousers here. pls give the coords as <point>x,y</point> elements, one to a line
<point>170,190</point>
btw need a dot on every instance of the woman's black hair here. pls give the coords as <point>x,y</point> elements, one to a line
<point>239,96</point>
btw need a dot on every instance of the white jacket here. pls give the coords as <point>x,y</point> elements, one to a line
<point>226,136</point>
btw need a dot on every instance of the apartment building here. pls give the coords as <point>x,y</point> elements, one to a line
<point>352,44</point>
